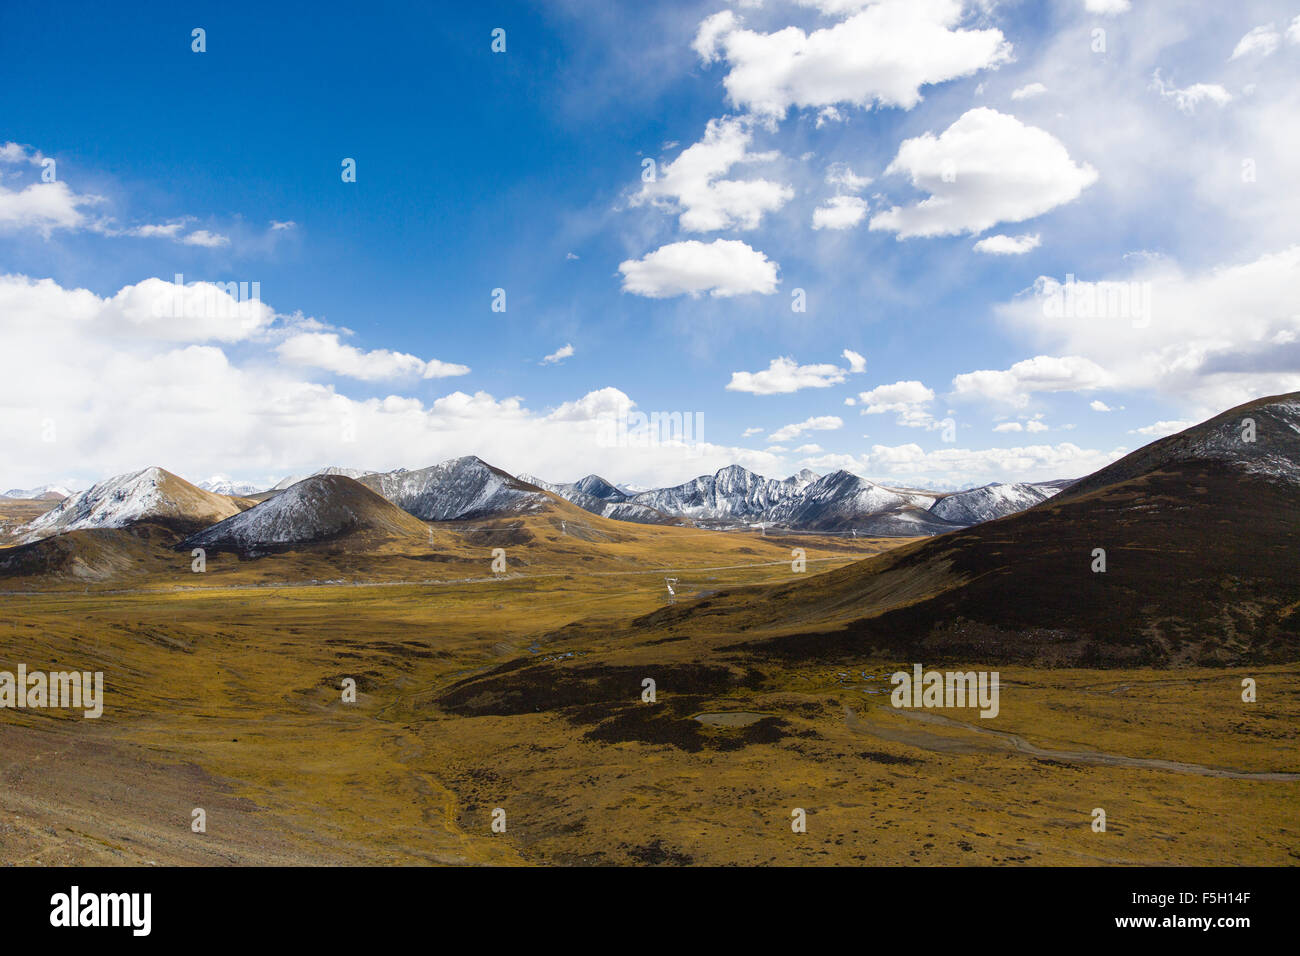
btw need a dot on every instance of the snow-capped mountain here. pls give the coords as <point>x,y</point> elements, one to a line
<point>731,495</point>
<point>49,492</point>
<point>222,485</point>
<point>460,488</point>
<point>600,497</point>
<point>319,508</point>
<point>150,494</point>
<point>991,501</point>
<point>330,470</point>
<point>840,502</point>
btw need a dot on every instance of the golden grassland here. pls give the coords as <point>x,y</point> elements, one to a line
<point>524,693</point>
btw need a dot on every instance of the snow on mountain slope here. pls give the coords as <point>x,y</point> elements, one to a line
<point>841,501</point>
<point>598,496</point>
<point>330,470</point>
<point>150,494</point>
<point>732,494</point>
<point>460,488</point>
<point>989,502</point>
<point>45,491</point>
<point>222,485</point>
<point>1260,438</point>
<point>319,508</point>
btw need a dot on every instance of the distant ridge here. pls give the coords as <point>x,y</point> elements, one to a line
<point>317,509</point>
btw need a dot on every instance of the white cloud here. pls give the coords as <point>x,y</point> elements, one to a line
<point>907,398</point>
<point>14,153</point>
<point>882,55</point>
<point>821,423</point>
<point>840,212</point>
<point>984,169</point>
<point>170,230</point>
<point>1097,405</point>
<point>857,362</point>
<point>1263,40</point>
<point>43,207</point>
<point>323,350</point>
<point>1106,7</point>
<point>1161,429</point>
<point>952,468</point>
<point>1008,245</point>
<point>1043,373</point>
<point>785,375</point>
<point>559,355</point>
<point>808,450</point>
<point>1009,427</point>
<point>692,185</point>
<point>1205,340</point>
<point>1035,426</point>
<point>750,432</point>
<point>209,240</point>
<point>723,267</point>
<point>276,225</point>
<point>1189,97</point>
<point>1028,91</point>
<point>123,391</point>
<point>843,177</point>
<point>1293,31</point>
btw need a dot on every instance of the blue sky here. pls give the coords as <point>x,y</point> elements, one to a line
<point>925,172</point>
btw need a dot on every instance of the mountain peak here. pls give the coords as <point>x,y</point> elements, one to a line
<point>150,494</point>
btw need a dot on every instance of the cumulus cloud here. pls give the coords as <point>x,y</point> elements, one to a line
<point>857,362</point>
<point>1043,373</point>
<point>906,398</point>
<point>1206,340</point>
<point>692,184</point>
<point>840,212</point>
<point>723,268</point>
<point>1008,245</point>
<point>1108,8</point>
<point>984,169</point>
<point>559,355</point>
<point>121,390</point>
<point>202,237</point>
<point>323,350</point>
<point>821,423</point>
<point>1161,429</point>
<point>44,207</point>
<point>881,55</point>
<point>1097,405</point>
<point>785,375</point>
<point>842,176</point>
<point>1188,98</point>
<point>951,468</point>
<point>1028,91</point>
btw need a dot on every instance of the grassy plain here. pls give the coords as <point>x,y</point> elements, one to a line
<point>524,692</point>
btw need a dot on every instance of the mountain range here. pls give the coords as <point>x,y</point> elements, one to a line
<point>468,488</point>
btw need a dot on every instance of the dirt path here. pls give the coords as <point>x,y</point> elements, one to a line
<point>1000,740</point>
